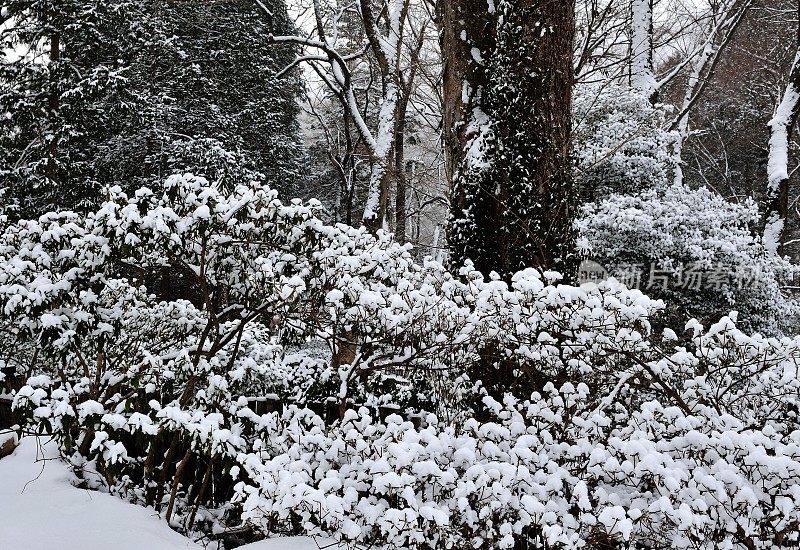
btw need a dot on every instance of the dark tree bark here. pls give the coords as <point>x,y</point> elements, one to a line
<point>508,75</point>
<point>408,80</point>
<point>401,214</point>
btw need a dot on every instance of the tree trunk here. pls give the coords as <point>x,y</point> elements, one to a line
<point>380,178</point>
<point>53,104</point>
<point>400,174</point>
<point>642,77</point>
<point>723,27</point>
<point>781,127</point>
<point>508,79</point>
<point>378,197</point>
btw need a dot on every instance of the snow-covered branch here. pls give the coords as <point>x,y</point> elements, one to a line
<point>725,22</point>
<point>778,164</point>
<point>642,77</point>
<point>383,40</point>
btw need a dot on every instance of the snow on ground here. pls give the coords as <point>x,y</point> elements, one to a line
<point>41,510</point>
<point>293,543</point>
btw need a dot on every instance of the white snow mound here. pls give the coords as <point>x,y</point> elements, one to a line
<point>41,510</point>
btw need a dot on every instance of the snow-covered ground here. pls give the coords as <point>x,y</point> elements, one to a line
<point>41,510</point>
<point>293,543</point>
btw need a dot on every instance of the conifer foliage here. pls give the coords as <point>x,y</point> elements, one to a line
<point>63,91</point>
<point>126,93</point>
<point>212,103</point>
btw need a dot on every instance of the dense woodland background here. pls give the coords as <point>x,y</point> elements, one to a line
<point>150,89</point>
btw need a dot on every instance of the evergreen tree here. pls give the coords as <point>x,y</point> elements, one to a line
<point>122,93</point>
<point>213,103</point>
<point>64,90</point>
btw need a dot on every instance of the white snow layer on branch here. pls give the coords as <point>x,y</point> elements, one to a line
<point>777,166</point>
<point>642,77</point>
<point>778,163</point>
<point>569,463</point>
<point>729,16</point>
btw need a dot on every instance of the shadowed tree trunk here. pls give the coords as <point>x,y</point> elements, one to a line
<point>53,103</point>
<point>507,93</point>
<point>400,178</point>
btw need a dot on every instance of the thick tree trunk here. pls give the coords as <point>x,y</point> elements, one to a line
<point>380,179</point>
<point>780,130</point>
<point>507,93</point>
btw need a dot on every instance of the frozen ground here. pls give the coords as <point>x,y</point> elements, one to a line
<point>292,543</point>
<point>41,510</point>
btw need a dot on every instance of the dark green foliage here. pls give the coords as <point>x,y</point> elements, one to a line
<point>213,104</point>
<point>126,93</point>
<point>64,89</point>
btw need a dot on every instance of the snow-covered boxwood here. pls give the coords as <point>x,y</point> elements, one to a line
<point>694,249</point>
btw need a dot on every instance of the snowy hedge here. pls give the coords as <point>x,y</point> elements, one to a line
<point>693,249</point>
<point>571,467</point>
<point>619,141</point>
<point>617,436</point>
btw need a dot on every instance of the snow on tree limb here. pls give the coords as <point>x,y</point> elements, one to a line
<point>727,19</point>
<point>778,164</point>
<point>384,39</point>
<point>642,77</point>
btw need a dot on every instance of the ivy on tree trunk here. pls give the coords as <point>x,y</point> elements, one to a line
<point>507,93</point>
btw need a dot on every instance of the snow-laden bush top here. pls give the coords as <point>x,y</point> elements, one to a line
<point>706,457</point>
<point>692,248</point>
<point>619,141</point>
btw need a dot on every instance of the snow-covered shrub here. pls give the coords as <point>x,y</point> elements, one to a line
<point>619,141</point>
<point>677,452</point>
<point>695,250</point>
<point>119,373</point>
<point>617,436</point>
